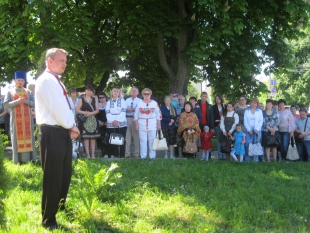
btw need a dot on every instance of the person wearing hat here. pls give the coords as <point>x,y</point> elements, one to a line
<point>174,99</point>
<point>19,101</point>
<point>206,144</point>
<point>73,100</point>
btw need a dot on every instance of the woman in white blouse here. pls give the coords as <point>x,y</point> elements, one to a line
<point>147,119</point>
<point>116,119</point>
<point>229,120</point>
<point>253,122</point>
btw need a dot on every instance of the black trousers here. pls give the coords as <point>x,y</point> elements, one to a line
<point>114,149</point>
<point>56,155</point>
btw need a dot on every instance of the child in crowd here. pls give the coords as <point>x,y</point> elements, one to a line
<point>239,138</point>
<point>206,144</point>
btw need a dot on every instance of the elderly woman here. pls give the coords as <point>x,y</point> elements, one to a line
<point>147,119</point>
<point>253,122</point>
<point>286,127</point>
<point>169,116</point>
<point>188,126</point>
<point>116,120</point>
<point>270,127</point>
<point>89,129</point>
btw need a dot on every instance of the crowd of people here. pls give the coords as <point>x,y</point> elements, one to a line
<point>138,120</point>
<point>114,121</point>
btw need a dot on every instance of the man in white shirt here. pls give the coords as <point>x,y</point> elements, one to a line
<point>57,129</point>
<point>131,132</point>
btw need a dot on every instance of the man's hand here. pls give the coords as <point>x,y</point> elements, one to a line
<point>74,132</point>
<point>22,100</point>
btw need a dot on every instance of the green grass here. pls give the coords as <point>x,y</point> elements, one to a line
<point>167,196</point>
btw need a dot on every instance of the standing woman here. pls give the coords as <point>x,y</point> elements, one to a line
<point>88,106</point>
<point>188,126</point>
<point>218,110</point>
<point>270,126</point>
<point>168,126</point>
<point>147,119</point>
<point>253,122</point>
<point>102,120</point>
<point>73,100</point>
<point>116,118</point>
<point>229,120</point>
<point>286,127</point>
<point>240,110</point>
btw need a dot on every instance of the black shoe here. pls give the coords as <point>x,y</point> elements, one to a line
<point>51,227</point>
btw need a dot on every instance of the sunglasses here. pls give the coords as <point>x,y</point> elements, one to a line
<point>102,97</point>
<point>146,93</point>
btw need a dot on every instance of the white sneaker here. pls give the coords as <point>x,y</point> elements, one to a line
<point>106,156</point>
<point>112,156</point>
<point>166,156</point>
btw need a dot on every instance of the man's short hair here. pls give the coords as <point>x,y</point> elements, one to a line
<point>51,53</point>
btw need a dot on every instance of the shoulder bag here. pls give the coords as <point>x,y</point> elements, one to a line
<point>226,144</point>
<point>292,153</point>
<point>190,146</point>
<point>273,140</point>
<point>255,149</point>
<point>116,139</point>
<point>81,118</point>
<point>296,138</point>
<point>159,142</point>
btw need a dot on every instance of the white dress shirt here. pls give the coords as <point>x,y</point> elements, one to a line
<point>52,107</point>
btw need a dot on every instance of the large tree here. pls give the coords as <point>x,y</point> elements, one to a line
<point>230,39</point>
<point>165,41</point>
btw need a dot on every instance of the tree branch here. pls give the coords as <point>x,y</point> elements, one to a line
<point>161,54</point>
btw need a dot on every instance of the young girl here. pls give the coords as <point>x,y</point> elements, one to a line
<point>206,144</point>
<point>239,138</point>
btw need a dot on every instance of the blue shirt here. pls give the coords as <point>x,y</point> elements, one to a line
<point>300,125</point>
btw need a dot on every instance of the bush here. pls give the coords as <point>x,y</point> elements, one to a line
<point>3,181</point>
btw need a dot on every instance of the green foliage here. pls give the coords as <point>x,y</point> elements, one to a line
<point>94,183</point>
<point>3,181</point>
<point>293,80</point>
<point>168,196</point>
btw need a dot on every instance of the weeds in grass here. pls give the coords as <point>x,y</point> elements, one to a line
<point>168,196</point>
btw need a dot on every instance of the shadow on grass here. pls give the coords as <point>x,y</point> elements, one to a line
<point>248,197</point>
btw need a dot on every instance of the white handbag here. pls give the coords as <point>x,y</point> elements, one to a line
<point>255,149</point>
<point>159,142</point>
<point>116,139</point>
<point>292,153</point>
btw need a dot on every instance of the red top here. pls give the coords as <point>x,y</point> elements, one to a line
<point>204,113</point>
<point>206,143</point>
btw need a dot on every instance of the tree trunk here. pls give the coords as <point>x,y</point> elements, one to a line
<point>103,82</point>
<point>178,69</point>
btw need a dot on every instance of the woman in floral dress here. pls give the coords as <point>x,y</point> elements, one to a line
<point>88,106</point>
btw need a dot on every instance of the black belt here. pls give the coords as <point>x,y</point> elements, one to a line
<point>130,116</point>
<point>54,126</point>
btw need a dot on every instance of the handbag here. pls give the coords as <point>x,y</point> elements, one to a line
<point>226,144</point>
<point>255,149</point>
<point>190,146</point>
<point>273,140</point>
<point>292,153</point>
<point>105,138</point>
<point>116,139</point>
<point>81,118</point>
<point>159,143</point>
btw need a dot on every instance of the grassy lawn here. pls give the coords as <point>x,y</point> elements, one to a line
<point>167,196</point>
